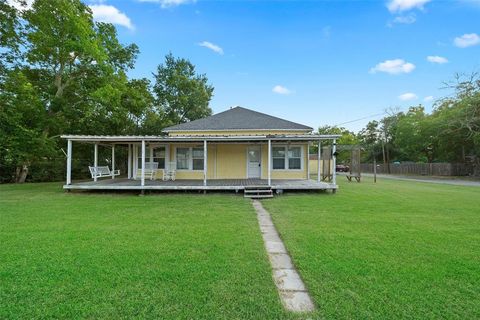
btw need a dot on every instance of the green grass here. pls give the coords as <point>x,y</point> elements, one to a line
<point>394,250</point>
<point>124,256</point>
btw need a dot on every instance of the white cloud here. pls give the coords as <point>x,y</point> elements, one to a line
<point>408,19</point>
<point>437,59</point>
<point>19,6</point>
<point>428,98</point>
<point>408,96</point>
<point>110,14</point>
<point>405,5</point>
<point>169,3</point>
<point>467,40</point>
<point>281,90</point>
<point>211,46</point>
<point>395,66</point>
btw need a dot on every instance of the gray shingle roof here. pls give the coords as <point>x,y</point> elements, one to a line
<point>238,118</point>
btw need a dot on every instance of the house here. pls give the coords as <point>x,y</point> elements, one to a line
<point>231,150</point>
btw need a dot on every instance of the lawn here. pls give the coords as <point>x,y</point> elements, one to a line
<point>124,256</point>
<point>391,250</point>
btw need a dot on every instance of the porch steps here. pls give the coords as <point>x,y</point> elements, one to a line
<point>258,192</point>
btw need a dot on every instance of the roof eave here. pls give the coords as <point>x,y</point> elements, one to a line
<point>308,129</point>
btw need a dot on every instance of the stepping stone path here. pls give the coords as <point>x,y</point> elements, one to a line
<point>291,288</point>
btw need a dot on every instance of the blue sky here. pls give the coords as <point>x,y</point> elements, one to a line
<point>313,62</point>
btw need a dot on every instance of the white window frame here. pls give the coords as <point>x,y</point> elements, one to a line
<point>149,151</point>
<point>302,157</point>
<point>189,159</point>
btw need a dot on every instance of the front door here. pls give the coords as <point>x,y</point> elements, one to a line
<point>254,162</point>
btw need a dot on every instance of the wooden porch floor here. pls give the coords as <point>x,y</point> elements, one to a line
<point>214,184</point>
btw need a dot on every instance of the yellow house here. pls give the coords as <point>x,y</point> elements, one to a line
<point>238,149</point>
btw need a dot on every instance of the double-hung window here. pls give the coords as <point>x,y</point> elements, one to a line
<point>139,156</point>
<point>197,158</point>
<point>183,156</point>
<point>189,158</point>
<point>287,158</point>
<point>294,158</point>
<point>278,158</point>
<point>158,155</point>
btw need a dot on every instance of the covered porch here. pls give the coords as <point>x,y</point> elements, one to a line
<point>280,162</point>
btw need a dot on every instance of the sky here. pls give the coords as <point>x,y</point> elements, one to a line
<point>312,62</point>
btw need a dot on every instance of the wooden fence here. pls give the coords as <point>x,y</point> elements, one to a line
<point>425,169</point>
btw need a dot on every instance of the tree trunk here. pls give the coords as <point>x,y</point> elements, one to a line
<point>21,174</point>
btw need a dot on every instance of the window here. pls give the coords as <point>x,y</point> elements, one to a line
<point>294,158</point>
<point>284,157</point>
<point>182,158</point>
<point>197,158</point>
<point>159,156</point>
<point>189,158</point>
<point>278,156</point>
<point>139,156</point>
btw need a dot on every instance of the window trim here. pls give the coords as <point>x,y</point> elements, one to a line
<point>286,158</point>
<point>189,159</point>
<point>149,149</point>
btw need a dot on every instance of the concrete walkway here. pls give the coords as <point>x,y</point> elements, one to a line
<point>291,288</point>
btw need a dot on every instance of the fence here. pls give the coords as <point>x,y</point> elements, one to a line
<point>425,169</point>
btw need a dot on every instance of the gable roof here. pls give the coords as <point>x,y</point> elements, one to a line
<point>238,118</point>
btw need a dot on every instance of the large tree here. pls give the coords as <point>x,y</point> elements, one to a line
<point>73,70</point>
<point>181,93</point>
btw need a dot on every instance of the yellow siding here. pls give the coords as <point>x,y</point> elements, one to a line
<point>229,161</point>
<point>234,133</point>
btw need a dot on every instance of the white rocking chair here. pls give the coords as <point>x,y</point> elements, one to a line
<point>170,171</point>
<point>102,172</point>
<point>150,170</point>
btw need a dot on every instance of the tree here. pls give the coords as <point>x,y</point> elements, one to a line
<point>348,138</point>
<point>181,94</point>
<point>369,138</point>
<point>22,121</point>
<point>76,73</point>
<point>415,136</point>
<point>10,39</point>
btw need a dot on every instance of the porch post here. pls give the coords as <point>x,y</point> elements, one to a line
<point>205,162</point>
<point>318,159</point>
<point>269,162</point>
<point>95,159</point>
<point>69,162</point>
<point>129,162</point>
<point>308,160</point>
<point>143,164</point>
<point>134,161</point>
<point>113,161</point>
<point>334,149</point>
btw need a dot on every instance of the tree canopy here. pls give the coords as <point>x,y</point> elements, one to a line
<point>62,72</point>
